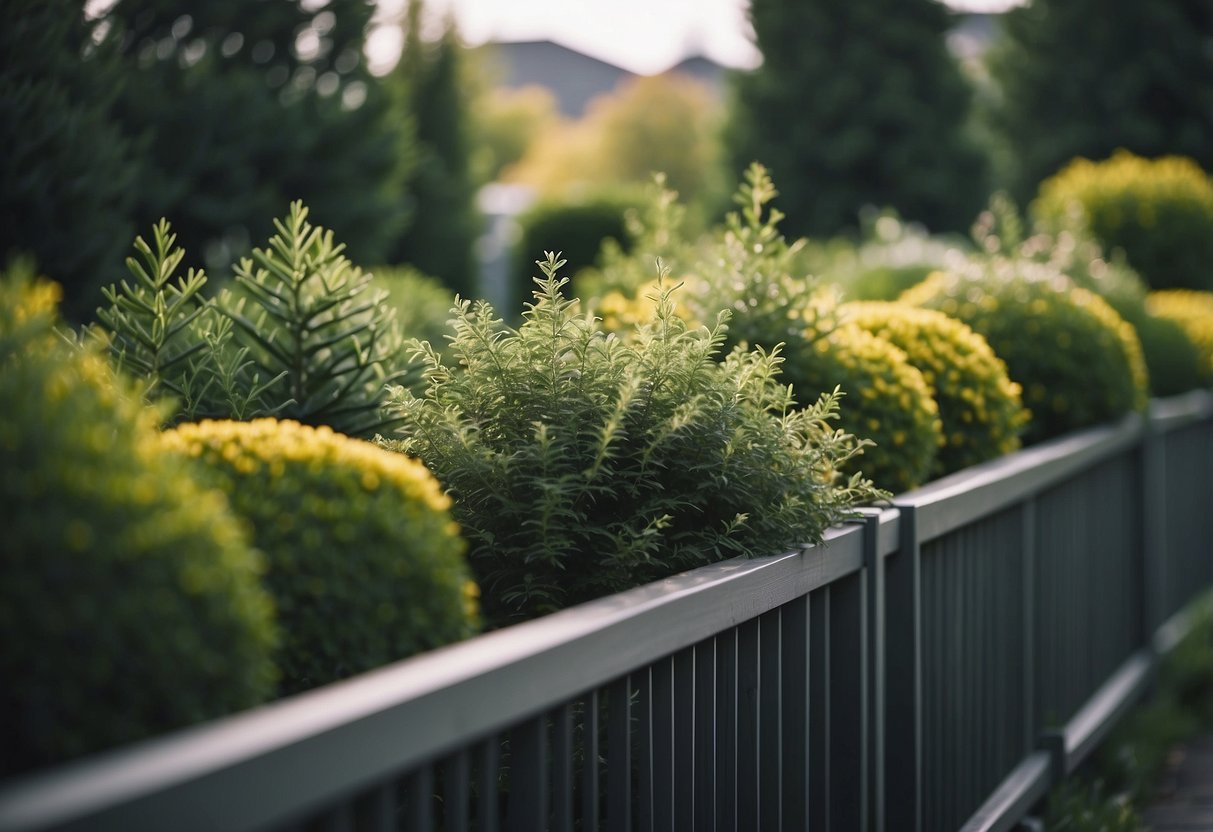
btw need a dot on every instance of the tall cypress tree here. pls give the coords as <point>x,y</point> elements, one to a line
<point>67,166</point>
<point>858,103</point>
<point>432,93</point>
<point>1085,77</point>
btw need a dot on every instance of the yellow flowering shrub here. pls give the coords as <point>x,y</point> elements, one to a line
<point>979,406</point>
<point>886,401</point>
<point>1193,311</point>
<point>363,559</point>
<point>130,601</point>
<point>1158,211</point>
<point>1077,361</point>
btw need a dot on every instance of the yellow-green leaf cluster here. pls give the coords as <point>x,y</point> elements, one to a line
<point>979,406</point>
<point>130,601</point>
<point>363,559</point>
<point>1193,311</point>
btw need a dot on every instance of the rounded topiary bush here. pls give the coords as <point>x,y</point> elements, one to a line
<point>1173,359</point>
<point>363,559</point>
<point>130,601</point>
<point>979,406</point>
<point>887,401</point>
<point>1193,312</point>
<point>1158,211</point>
<point>1077,361</point>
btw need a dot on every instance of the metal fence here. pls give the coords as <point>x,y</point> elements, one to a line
<point>936,666</point>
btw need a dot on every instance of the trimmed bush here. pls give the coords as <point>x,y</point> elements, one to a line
<point>1193,311</point>
<point>888,402</point>
<point>1159,212</point>
<point>364,562</point>
<point>979,406</point>
<point>129,595</point>
<point>1077,361</point>
<point>583,464</point>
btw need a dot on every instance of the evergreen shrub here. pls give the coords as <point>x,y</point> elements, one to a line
<point>979,406</point>
<point>1077,361</point>
<point>1158,211</point>
<point>1193,311</point>
<point>303,334</point>
<point>363,560</point>
<point>888,402</point>
<point>582,464</point>
<point>130,601</point>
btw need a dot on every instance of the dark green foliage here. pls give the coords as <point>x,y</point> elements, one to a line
<point>1157,212</point>
<point>1078,362</point>
<point>430,90</point>
<point>363,561</point>
<point>422,303</point>
<point>304,334</point>
<point>248,106</point>
<point>68,168</point>
<point>1080,806</point>
<point>579,227</point>
<point>1173,360</point>
<point>858,104</point>
<point>129,595</point>
<point>1085,77</point>
<point>582,464</point>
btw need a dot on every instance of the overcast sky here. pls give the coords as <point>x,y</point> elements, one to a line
<point>641,35</point>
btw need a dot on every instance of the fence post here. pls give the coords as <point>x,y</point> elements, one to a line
<point>874,566</point>
<point>903,679</point>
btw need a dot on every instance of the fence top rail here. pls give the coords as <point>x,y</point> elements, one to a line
<point>346,736</point>
<point>1178,411</point>
<point>961,498</point>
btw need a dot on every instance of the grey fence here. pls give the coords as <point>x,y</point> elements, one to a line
<point>935,666</point>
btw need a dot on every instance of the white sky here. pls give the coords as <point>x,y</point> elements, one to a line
<point>641,35</point>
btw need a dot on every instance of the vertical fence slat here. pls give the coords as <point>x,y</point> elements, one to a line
<point>684,739</point>
<point>705,735</point>
<point>456,792</point>
<point>903,668</point>
<point>488,807</point>
<point>848,703</point>
<point>619,756</point>
<point>589,766</point>
<point>529,776</point>
<point>562,769</point>
<point>662,675</point>
<point>748,772</point>
<point>820,716</point>
<point>795,713</point>
<point>770,728</point>
<point>726,731</point>
<point>642,723</point>
<point>421,800</point>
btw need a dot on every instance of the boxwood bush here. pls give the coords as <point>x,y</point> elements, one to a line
<point>1193,312</point>
<point>979,406</point>
<point>363,560</point>
<point>888,402</point>
<point>1077,361</point>
<point>129,595</point>
<point>1158,211</point>
<point>582,464</point>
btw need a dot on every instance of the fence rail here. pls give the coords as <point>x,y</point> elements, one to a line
<point>935,666</point>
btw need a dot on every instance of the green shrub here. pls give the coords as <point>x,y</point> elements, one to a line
<point>303,334</point>
<point>422,303</point>
<point>1193,311</point>
<point>888,402</point>
<point>1159,212</point>
<point>1172,359</point>
<point>129,595</point>
<point>979,406</point>
<point>582,464</point>
<point>363,560</point>
<point>1077,361</point>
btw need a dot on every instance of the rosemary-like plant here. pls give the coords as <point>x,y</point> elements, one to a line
<point>582,464</point>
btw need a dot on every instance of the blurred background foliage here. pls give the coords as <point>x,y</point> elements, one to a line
<point>880,131</point>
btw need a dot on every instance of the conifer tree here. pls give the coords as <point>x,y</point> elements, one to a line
<point>67,166</point>
<point>431,92</point>
<point>1085,77</point>
<point>856,104</point>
